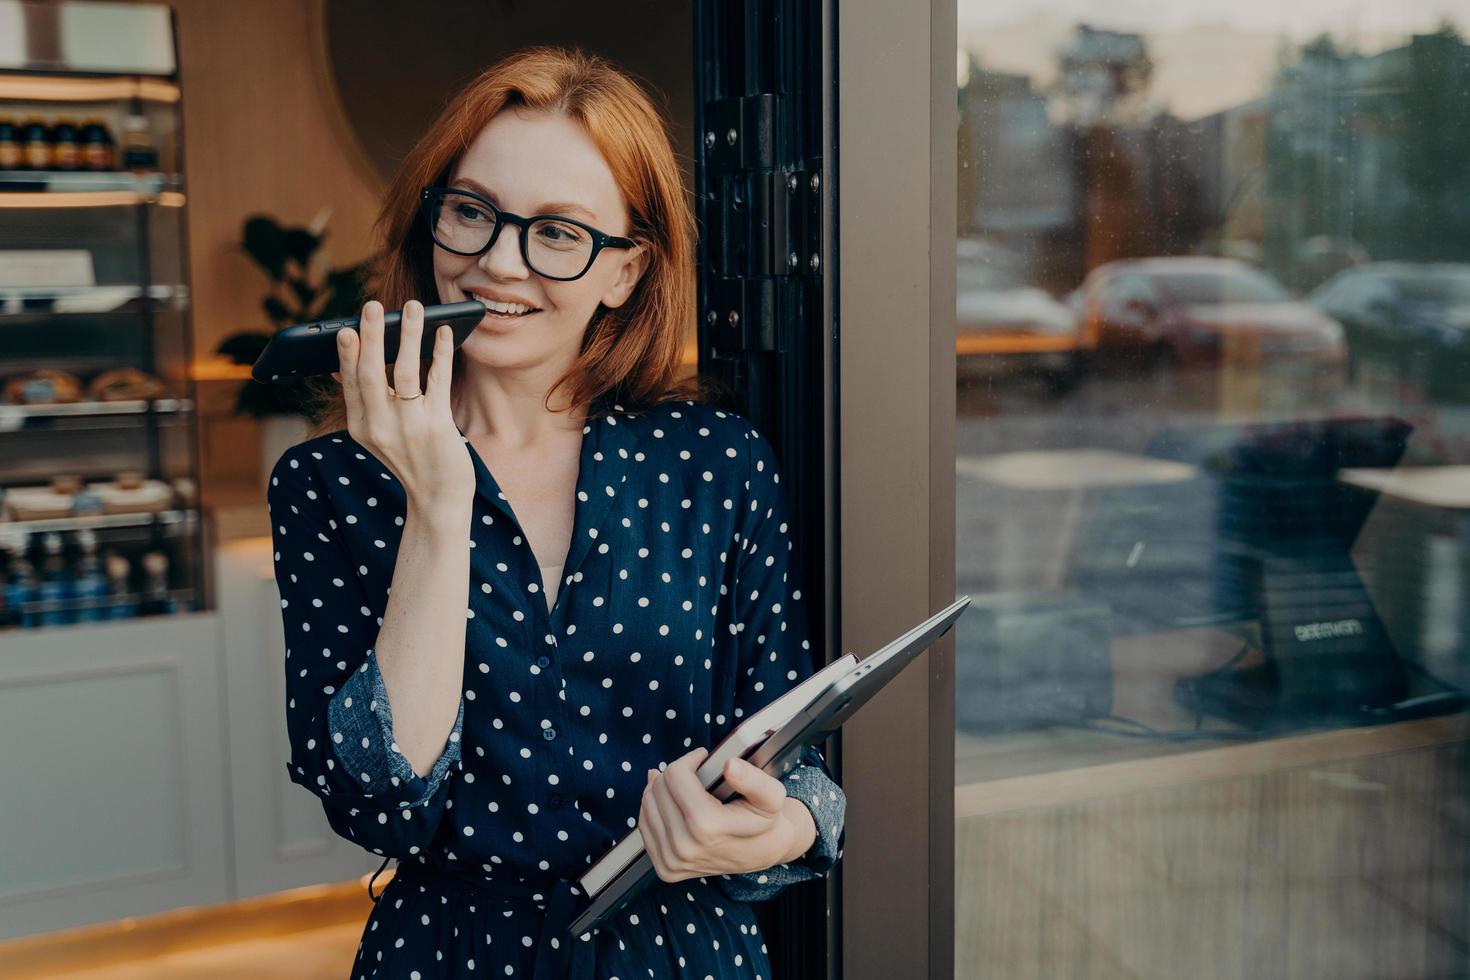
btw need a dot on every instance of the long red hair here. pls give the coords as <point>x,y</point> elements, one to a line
<point>631,353</point>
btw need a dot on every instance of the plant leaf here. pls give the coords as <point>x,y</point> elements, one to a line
<point>278,312</point>
<point>264,242</point>
<point>299,245</point>
<point>345,288</point>
<point>303,290</point>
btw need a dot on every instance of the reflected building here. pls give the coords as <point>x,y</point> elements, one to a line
<point>1369,150</point>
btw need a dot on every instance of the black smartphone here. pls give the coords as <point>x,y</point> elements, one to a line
<point>311,348</point>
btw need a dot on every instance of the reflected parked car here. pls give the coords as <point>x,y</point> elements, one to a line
<point>1410,317</point>
<point>1185,311</point>
<point>1004,324</point>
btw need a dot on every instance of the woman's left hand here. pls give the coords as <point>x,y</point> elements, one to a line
<point>688,832</point>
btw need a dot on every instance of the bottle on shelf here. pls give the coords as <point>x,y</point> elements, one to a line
<point>90,584</point>
<point>157,601</point>
<point>65,145</point>
<point>9,603</point>
<point>55,590</point>
<point>98,151</point>
<point>35,141</point>
<point>12,156</point>
<point>121,604</point>
<point>138,154</point>
<point>20,593</point>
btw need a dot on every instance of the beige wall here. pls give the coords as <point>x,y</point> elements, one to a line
<point>259,136</point>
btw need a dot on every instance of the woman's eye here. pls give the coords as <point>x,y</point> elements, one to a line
<point>560,234</point>
<point>471,213</point>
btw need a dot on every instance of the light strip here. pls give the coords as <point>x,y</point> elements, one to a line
<point>48,89</point>
<point>86,199</point>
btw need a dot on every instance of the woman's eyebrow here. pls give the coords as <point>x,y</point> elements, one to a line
<point>548,207</point>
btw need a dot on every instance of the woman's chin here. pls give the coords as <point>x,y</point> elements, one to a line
<point>492,348</point>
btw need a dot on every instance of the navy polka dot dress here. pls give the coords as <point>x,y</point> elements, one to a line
<point>678,611</point>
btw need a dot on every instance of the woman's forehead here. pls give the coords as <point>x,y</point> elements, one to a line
<point>525,160</point>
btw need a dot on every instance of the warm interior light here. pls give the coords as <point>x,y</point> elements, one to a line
<point>85,199</point>
<point>218,369</point>
<point>43,88</point>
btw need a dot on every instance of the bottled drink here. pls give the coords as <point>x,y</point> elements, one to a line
<point>35,144</point>
<point>65,145</point>
<point>121,604</point>
<point>11,155</point>
<point>138,154</point>
<point>90,584</point>
<point>98,152</point>
<point>20,592</point>
<point>9,615</point>
<point>156,598</point>
<point>55,588</point>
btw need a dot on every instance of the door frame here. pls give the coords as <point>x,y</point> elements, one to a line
<point>897,120</point>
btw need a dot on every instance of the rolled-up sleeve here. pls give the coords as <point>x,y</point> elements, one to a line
<point>775,655</point>
<point>810,782</point>
<point>338,718</point>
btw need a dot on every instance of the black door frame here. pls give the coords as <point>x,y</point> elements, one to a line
<point>859,341</point>
<point>763,134</point>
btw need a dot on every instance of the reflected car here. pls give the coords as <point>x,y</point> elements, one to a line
<point>1186,311</point>
<point>1006,325</point>
<point>1409,316</point>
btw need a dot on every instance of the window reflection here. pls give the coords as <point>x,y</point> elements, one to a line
<point>1213,491</point>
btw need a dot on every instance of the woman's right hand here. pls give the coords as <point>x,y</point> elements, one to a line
<point>416,438</point>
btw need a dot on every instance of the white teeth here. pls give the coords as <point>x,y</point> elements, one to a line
<point>499,307</point>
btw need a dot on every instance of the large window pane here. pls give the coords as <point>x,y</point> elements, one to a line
<point>1213,489</point>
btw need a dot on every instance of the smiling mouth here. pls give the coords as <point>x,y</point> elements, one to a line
<point>501,316</point>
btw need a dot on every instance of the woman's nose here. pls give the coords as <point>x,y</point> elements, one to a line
<point>503,259</point>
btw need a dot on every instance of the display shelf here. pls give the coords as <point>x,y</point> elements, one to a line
<point>12,416</point>
<point>60,88</point>
<point>179,521</point>
<point>25,301</point>
<point>94,274</point>
<point>88,199</point>
<point>70,607</point>
<point>147,186</point>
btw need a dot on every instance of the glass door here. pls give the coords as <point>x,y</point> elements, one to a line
<point>1212,469</point>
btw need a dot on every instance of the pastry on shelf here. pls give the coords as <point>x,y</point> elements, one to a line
<point>37,503</point>
<point>43,386</point>
<point>130,493</point>
<point>125,384</point>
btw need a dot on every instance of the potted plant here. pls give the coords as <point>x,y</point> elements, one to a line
<point>301,290</point>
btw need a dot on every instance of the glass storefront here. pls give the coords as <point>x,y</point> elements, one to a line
<point>1213,490</point>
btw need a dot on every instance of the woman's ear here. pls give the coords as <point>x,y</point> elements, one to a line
<point>635,262</point>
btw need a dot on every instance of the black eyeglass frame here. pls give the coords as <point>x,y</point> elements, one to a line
<point>600,239</point>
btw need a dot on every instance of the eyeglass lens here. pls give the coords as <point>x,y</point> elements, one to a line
<point>553,248</point>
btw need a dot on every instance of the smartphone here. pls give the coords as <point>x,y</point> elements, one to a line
<point>311,348</point>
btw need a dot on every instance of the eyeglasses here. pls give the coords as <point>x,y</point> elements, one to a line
<point>554,247</point>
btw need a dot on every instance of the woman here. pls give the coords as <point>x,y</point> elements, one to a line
<point>514,628</point>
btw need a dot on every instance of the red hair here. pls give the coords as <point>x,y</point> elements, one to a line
<point>631,353</point>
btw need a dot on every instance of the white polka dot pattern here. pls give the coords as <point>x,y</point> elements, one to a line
<point>679,611</point>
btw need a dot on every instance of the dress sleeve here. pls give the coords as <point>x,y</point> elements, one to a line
<point>338,720</point>
<point>770,620</point>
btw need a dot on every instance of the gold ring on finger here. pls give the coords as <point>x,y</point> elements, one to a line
<point>408,398</point>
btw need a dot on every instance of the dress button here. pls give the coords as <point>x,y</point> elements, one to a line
<point>555,802</point>
<point>543,661</point>
<point>548,733</point>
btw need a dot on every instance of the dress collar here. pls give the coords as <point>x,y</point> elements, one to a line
<point>608,445</point>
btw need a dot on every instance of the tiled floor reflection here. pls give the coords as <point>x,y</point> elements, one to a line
<point>1303,858</point>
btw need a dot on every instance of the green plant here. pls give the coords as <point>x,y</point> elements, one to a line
<point>298,294</point>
